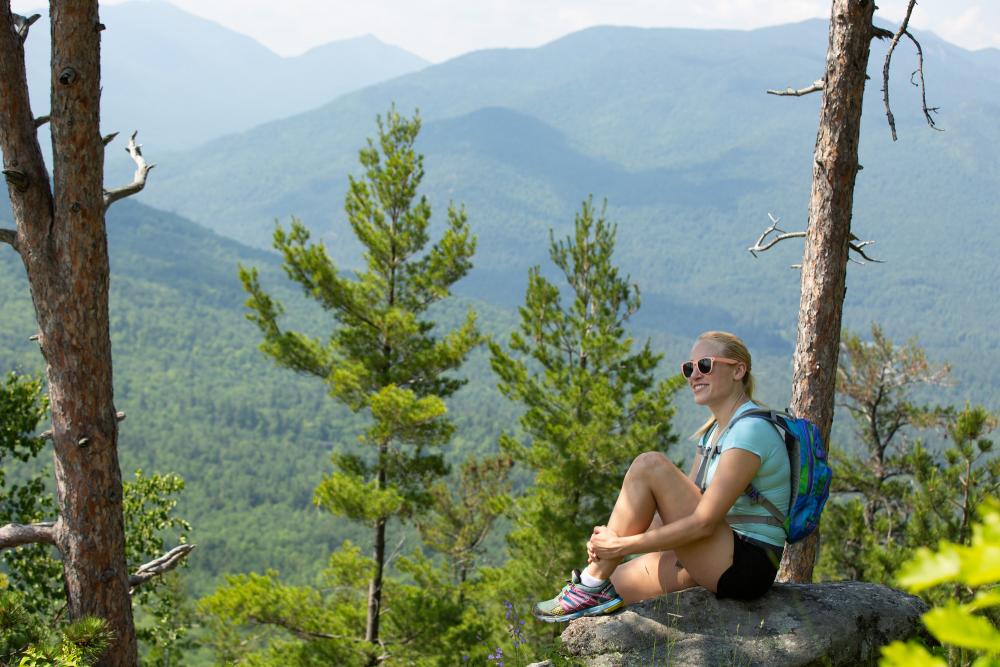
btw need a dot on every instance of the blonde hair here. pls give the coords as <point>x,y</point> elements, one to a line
<point>734,348</point>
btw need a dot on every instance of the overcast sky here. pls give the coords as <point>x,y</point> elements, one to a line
<point>441,29</point>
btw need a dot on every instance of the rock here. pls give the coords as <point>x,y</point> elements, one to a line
<point>794,624</point>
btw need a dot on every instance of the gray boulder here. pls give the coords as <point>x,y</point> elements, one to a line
<point>794,624</point>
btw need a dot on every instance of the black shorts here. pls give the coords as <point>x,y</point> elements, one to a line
<point>752,572</point>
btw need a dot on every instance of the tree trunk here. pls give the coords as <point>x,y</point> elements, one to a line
<point>375,589</point>
<point>824,263</point>
<point>62,241</point>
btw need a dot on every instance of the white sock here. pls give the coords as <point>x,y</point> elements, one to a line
<point>592,582</point>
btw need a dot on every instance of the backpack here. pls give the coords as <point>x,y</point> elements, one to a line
<point>810,475</point>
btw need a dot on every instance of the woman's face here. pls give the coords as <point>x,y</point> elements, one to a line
<point>719,385</point>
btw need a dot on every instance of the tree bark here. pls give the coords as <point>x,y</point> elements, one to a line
<point>63,244</point>
<point>376,583</point>
<point>824,262</point>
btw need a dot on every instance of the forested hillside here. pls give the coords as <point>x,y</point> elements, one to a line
<point>250,440</point>
<point>521,152</point>
<point>675,129</point>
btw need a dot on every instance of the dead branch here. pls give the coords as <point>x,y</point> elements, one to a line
<point>922,85</point>
<point>42,120</point>
<point>816,87</point>
<point>22,23</point>
<point>138,181</point>
<point>158,566</point>
<point>16,534</point>
<point>773,229</point>
<point>856,244</point>
<point>108,138</point>
<point>920,68</point>
<point>395,552</point>
<point>9,236</point>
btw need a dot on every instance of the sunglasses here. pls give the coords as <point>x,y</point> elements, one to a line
<point>705,365</point>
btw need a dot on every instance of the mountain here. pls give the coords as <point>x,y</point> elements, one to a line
<point>250,440</point>
<point>674,128</point>
<point>182,80</point>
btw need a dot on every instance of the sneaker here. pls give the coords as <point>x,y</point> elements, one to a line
<point>576,600</point>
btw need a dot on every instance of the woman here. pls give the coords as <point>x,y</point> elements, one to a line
<point>680,528</point>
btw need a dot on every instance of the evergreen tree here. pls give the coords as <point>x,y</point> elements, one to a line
<point>876,381</point>
<point>591,404</point>
<point>36,577</point>
<point>952,486</point>
<point>27,640</point>
<point>32,569</point>
<point>895,494</point>
<point>383,357</point>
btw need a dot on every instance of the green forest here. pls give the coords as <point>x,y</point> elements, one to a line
<point>374,413</point>
<point>328,433</point>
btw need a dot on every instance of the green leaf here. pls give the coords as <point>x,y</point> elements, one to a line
<point>910,654</point>
<point>928,568</point>
<point>953,625</point>
<point>983,599</point>
<point>981,565</point>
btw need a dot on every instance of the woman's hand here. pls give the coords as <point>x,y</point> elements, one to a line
<point>605,544</point>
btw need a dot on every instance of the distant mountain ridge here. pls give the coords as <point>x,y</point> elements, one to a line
<point>674,127</point>
<point>182,80</point>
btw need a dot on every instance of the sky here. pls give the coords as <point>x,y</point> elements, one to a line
<point>441,29</point>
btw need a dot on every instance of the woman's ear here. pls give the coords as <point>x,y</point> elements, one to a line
<point>739,371</point>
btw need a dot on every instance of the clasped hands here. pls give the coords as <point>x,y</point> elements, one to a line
<point>605,544</point>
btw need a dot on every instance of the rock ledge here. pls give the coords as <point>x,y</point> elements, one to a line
<point>841,623</point>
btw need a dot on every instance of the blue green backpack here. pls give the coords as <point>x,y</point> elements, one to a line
<point>810,476</point>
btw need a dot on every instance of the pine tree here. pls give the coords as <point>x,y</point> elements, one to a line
<point>591,404</point>
<point>383,357</point>
<point>897,494</point>
<point>876,381</point>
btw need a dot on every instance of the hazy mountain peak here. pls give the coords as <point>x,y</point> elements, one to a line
<point>183,80</point>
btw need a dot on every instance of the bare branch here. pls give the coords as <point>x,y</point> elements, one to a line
<point>42,120</point>
<point>923,86</point>
<point>885,67</point>
<point>155,568</point>
<point>16,534</point>
<point>395,552</point>
<point>856,244</point>
<point>108,138</point>
<point>138,181</point>
<point>781,236</point>
<point>9,236</point>
<point>21,24</point>
<point>816,87</point>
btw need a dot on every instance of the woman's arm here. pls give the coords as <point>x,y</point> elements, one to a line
<point>736,469</point>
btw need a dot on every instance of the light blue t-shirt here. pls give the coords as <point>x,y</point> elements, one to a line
<point>762,438</point>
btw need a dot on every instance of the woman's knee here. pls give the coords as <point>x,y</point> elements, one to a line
<point>650,462</point>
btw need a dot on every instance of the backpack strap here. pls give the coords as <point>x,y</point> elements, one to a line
<point>777,517</point>
<point>707,454</point>
<point>703,453</point>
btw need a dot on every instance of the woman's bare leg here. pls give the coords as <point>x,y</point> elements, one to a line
<point>654,485</point>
